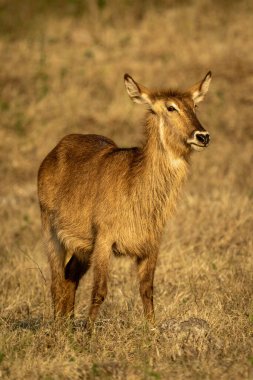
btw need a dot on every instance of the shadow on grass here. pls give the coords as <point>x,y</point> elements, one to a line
<point>32,324</point>
<point>35,324</point>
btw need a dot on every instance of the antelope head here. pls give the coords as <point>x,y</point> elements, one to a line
<point>174,113</point>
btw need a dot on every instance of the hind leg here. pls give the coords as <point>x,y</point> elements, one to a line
<point>65,283</point>
<point>64,278</point>
<point>62,289</point>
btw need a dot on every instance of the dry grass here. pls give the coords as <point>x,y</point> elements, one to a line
<point>61,74</point>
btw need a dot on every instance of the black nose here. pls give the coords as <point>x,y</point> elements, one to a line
<point>203,138</point>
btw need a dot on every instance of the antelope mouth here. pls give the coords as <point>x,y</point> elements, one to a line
<point>197,147</point>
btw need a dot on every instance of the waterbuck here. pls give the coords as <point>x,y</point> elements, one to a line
<point>97,199</point>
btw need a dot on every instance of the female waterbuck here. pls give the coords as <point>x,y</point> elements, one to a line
<point>97,199</point>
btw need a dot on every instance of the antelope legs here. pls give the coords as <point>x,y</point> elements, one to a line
<point>101,256</point>
<point>63,290</point>
<point>146,270</point>
<point>64,281</point>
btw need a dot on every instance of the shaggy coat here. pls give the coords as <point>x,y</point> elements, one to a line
<point>97,199</point>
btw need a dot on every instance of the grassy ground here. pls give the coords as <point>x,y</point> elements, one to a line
<point>61,71</point>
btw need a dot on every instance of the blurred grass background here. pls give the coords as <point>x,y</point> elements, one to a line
<point>61,71</point>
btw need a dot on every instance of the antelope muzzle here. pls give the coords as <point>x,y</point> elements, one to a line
<point>199,140</point>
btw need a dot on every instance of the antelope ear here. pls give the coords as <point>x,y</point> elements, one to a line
<point>199,90</point>
<point>138,93</point>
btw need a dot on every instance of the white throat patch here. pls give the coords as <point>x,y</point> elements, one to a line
<point>175,162</point>
<point>161,132</point>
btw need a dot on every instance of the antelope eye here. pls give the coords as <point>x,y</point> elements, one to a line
<point>171,108</point>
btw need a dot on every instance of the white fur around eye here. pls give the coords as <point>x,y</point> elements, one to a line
<point>171,104</point>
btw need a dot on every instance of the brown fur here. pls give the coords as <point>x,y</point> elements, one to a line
<point>97,199</point>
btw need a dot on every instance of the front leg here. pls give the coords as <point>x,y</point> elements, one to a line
<point>100,260</point>
<point>146,270</point>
